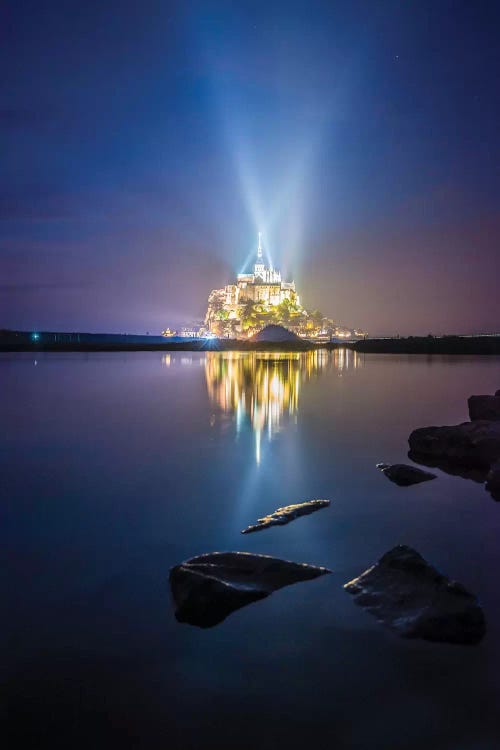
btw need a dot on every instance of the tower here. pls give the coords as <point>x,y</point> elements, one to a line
<point>259,268</point>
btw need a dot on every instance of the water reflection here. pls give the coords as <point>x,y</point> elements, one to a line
<point>169,360</point>
<point>263,388</point>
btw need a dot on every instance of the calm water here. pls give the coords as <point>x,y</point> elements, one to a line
<point>114,467</point>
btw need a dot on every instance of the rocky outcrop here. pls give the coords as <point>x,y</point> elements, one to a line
<point>206,589</point>
<point>404,475</point>
<point>469,444</point>
<point>413,599</point>
<point>275,334</point>
<point>282,516</point>
<point>493,480</point>
<point>484,407</point>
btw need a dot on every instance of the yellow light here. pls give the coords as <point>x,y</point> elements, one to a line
<point>262,388</point>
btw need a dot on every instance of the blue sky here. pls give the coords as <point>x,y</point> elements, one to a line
<point>145,144</point>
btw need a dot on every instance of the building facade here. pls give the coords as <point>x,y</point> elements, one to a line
<point>263,288</point>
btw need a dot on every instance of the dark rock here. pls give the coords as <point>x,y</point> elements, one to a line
<point>470,444</point>
<point>206,589</point>
<point>493,480</point>
<point>404,475</point>
<point>282,516</point>
<point>275,334</point>
<point>412,598</point>
<point>484,407</point>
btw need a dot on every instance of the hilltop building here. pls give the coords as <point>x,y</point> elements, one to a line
<point>260,299</point>
<point>264,288</point>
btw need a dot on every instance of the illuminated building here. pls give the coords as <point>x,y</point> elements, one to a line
<point>264,287</point>
<point>261,298</point>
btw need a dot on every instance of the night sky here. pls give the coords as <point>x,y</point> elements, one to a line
<point>144,144</point>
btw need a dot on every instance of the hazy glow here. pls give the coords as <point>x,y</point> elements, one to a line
<point>273,166</point>
<point>276,206</point>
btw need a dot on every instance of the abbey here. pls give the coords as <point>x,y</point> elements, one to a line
<point>264,285</point>
<point>263,288</point>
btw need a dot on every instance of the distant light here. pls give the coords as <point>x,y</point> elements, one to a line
<point>35,336</point>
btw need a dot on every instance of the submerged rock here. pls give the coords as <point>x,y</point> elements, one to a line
<point>412,598</point>
<point>282,516</point>
<point>466,471</point>
<point>470,444</point>
<point>207,588</point>
<point>405,475</point>
<point>479,474</point>
<point>493,481</point>
<point>484,407</point>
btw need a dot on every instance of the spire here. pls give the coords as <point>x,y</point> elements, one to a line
<point>259,249</point>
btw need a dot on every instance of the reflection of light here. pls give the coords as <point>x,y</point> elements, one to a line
<point>275,386</point>
<point>341,358</point>
<point>263,386</point>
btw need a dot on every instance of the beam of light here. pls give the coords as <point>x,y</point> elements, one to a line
<point>282,221</point>
<point>273,166</point>
<point>249,261</point>
<point>275,119</point>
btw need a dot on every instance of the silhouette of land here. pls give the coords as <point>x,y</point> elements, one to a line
<point>485,344</point>
<point>27,341</point>
<point>50,341</point>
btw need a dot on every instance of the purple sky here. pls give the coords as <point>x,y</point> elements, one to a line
<point>144,145</point>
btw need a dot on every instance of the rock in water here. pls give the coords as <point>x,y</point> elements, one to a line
<point>276,334</point>
<point>484,407</point>
<point>470,444</point>
<point>405,475</point>
<point>412,598</point>
<point>206,589</point>
<point>281,516</point>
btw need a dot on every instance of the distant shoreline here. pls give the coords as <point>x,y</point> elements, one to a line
<point>22,341</point>
<point>489,344</point>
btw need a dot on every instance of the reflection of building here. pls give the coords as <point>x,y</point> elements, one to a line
<point>263,388</point>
